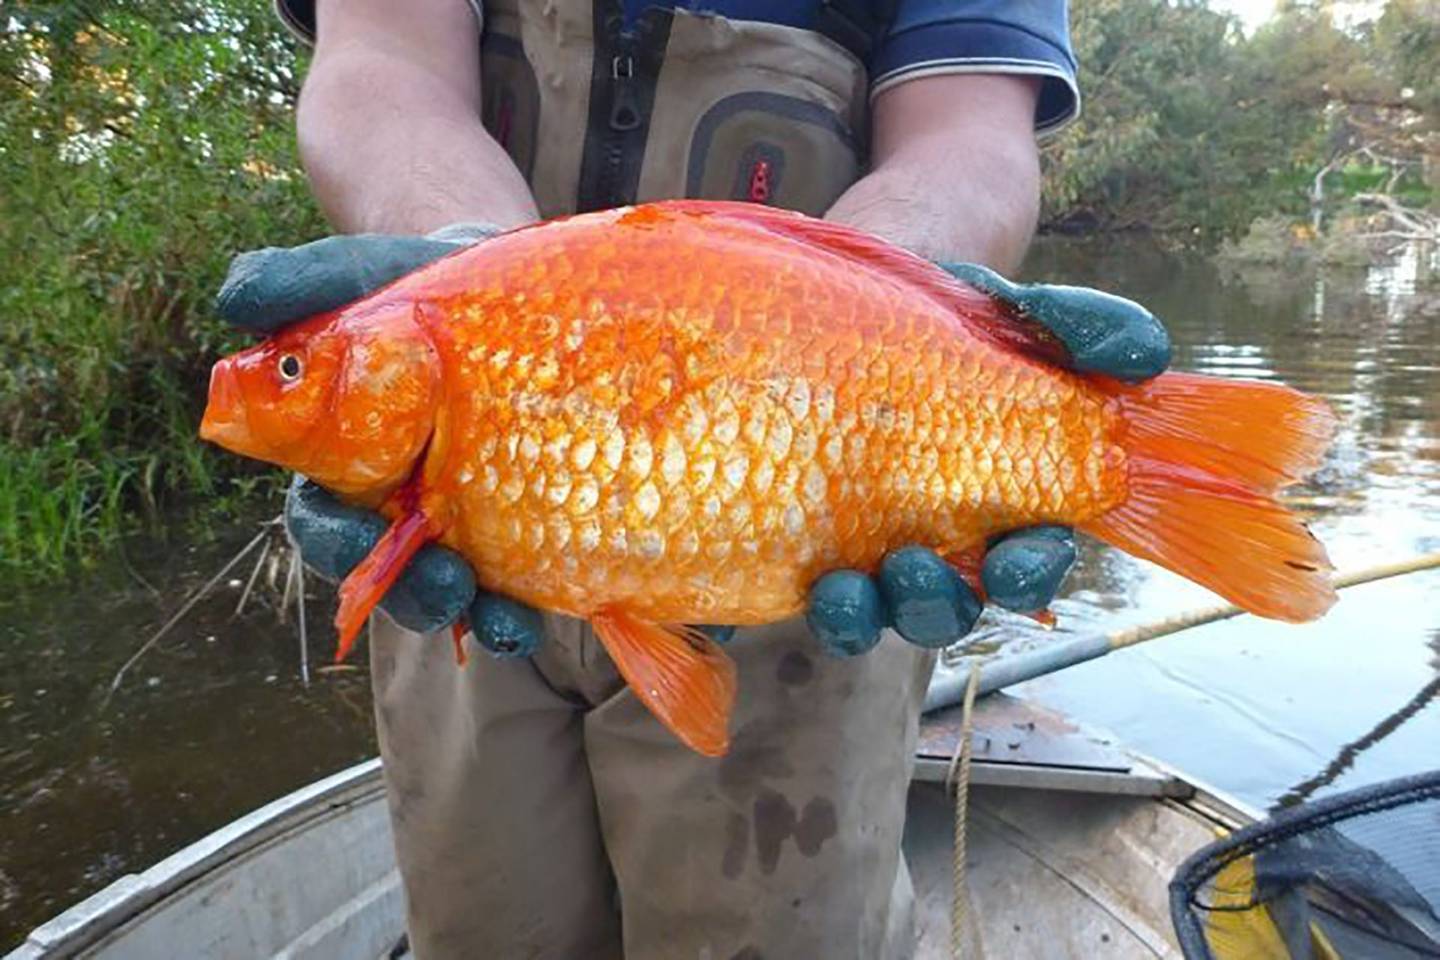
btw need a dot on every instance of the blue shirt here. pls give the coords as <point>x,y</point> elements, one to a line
<point>903,39</point>
<point>915,38</point>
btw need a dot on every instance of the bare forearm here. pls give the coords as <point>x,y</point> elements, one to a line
<point>964,190</point>
<point>379,163</point>
<point>981,216</point>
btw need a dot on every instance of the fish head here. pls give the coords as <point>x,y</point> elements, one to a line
<point>349,400</point>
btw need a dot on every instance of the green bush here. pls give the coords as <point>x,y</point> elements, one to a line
<point>141,146</point>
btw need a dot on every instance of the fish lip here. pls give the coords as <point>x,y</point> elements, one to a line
<point>225,422</point>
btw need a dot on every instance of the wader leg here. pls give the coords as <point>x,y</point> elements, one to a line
<point>491,803</point>
<point>790,845</point>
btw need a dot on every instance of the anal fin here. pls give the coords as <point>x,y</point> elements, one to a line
<point>681,675</point>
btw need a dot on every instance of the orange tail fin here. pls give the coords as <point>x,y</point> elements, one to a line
<point>1206,457</point>
<point>680,674</point>
<point>366,585</point>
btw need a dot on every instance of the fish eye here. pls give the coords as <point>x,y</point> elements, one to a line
<point>290,368</point>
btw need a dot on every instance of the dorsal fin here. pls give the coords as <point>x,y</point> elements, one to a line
<point>983,314</point>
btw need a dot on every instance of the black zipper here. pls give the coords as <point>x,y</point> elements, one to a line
<point>619,135</point>
<point>622,94</point>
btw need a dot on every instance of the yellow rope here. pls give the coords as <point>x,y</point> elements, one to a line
<point>957,783</point>
<point>1202,615</point>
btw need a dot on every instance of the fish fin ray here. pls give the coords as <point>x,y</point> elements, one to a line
<point>1205,458</point>
<point>681,675</point>
<point>366,585</point>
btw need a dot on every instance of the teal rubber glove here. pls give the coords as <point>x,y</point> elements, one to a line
<point>915,591</point>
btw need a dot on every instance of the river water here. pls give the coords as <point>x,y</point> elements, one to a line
<point>216,720</point>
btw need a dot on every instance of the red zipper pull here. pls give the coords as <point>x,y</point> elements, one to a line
<point>760,181</point>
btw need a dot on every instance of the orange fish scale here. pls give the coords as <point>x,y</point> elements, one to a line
<point>700,420</point>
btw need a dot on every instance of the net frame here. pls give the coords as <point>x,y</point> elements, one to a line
<point>1201,867</point>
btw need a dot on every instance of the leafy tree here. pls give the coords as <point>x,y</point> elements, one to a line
<point>1192,129</point>
<point>141,145</point>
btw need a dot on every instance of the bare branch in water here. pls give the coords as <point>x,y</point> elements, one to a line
<point>289,586</point>
<point>300,614</point>
<point>185,608</point>
<point>254,575</point>
<point>1409,223</point>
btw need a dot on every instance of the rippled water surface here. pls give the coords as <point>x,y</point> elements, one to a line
<point>216,721</point>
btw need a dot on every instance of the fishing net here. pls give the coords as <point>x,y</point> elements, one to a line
<point>1351,877</point>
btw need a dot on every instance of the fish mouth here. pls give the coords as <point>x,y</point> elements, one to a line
<point>225,422</point>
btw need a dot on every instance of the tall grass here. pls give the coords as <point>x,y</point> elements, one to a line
<point>141,146</point>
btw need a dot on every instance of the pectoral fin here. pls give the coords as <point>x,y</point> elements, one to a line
<point>366,585</point>
<point>679,673</point>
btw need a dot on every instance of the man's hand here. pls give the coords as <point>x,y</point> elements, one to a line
<point>917,592</point>
<point>269,289</point>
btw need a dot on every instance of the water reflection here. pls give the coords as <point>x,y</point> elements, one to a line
<point>1257,708</point>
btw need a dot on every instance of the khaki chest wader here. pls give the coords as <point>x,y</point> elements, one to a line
<point>681,105</point>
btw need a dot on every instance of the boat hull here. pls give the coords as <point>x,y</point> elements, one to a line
<point>1071,842</point>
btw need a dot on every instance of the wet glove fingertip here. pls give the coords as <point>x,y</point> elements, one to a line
<point>504,626</point>
<point>845,613</point>
<point>929,603</point>
<point>266,290</point>
<point>1023,572</point>
<point>331,536</point>
<point>434,591</point>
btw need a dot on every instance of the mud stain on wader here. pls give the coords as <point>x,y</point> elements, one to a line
<point>775,820</point>
<point>795,669</point>
<point>737,845</point>
<point>748,764</point>
<point>817,824</point>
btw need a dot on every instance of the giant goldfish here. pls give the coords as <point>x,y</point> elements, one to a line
<point>686,412</point>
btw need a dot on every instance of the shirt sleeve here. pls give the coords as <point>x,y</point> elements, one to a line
<point>299,17</point>
<point>934,37</point>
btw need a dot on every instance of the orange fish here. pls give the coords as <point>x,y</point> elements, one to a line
<point>687,412</point>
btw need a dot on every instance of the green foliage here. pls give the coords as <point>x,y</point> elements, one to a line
<point>1407,36</point>
<point>141,146</point>
<point>1269,240</point>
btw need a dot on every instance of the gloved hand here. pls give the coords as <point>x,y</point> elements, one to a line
<point>915,591</point>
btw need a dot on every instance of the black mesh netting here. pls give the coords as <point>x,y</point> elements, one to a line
<point>1354,876</point>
